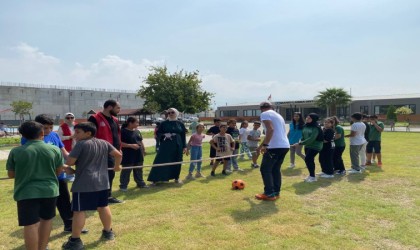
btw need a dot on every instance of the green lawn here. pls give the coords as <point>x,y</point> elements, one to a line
<point>375,210</point>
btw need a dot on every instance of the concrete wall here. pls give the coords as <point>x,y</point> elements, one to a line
<point>58,100</point>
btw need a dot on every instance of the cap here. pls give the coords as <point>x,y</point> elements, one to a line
<point>266,105</point>
<point>69,114</point>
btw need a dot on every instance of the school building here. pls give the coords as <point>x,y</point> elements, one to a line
<point>377,105</point>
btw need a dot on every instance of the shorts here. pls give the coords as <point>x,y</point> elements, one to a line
<point>373,146</point>
<point>253,151</point>
<point>226,158</point>
<point>30,211</point>
<point>85,201</point>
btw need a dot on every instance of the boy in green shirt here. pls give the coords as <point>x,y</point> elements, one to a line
<point>35,166</point>
<point>374,145</point>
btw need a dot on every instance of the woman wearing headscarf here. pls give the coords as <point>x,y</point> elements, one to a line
<point>171,135</point>
<point>312,139</point>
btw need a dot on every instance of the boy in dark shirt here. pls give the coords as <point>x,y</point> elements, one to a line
<point>234,132</point>
<point>213,131</point>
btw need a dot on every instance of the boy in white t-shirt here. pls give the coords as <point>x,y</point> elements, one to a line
<point>243,138</point>
<point>357,140</point>
<point>254,137</point>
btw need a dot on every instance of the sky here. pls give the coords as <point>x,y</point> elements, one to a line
<point>244,50</point>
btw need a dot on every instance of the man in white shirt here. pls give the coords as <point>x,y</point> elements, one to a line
<point>274,147</point>
<point>357,140</point>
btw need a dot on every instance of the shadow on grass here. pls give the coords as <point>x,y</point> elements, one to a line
<point>257,210</point>
<point>135,192</point>
<point>375,169</point>
<point>302,188</point>
<point>291,172</point>
<point>356,178</point>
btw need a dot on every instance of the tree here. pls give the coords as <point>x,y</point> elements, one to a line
<point>390,114</point>
<point>180,90</point>
<point>331,98</point>
<point>405,111</point>
<point>21,108</point>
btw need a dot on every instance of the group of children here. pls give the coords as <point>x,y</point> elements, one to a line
<point>329,143</point>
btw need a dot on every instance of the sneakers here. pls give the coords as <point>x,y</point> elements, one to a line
<point>199,175</point>
<point>179,181</point>
<point>379,164</point>
<point>277,195</point>
<point>326,175</point>
<point>321,173</point>
<point>238,169</point>
<point>292,165</point>
<point>254,165</point>
<point>265,197</point>
<point>225,172</point>
<point>212,173</point>
<point>310,179</point>
<point>340,172</point>
<point>108,235</point>
<point>373,161</point>
<point>189,177</point>
<point>68,230</point>
<point>143,185</point>
<point>75,244</point>
<point>123,189</point>
<point>113,200</point>
<point>228,171</point>
<point>354,171</point>
<point>368,163</point>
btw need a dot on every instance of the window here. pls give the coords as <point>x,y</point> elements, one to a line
<point>383,109</point>
<point>252,112</point>
<point>364,109</point>
<point>225,113</point>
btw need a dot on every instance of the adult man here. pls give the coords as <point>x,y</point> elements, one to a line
<point>374,145</point>
<point>66,132</point>
<point>274,147</point>
<point>108,129</point>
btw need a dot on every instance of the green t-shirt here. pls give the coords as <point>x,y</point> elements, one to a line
<point>374,134</point>
<point>309,135</point>
<point>340,142</point>
<point>35,165</point>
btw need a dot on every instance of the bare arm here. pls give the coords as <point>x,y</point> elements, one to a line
<point>65,153</point>
<point>352,134</point>
<point>118,158</point>
<point>11,174</point>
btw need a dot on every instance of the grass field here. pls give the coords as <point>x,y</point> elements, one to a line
<point>378,209</point>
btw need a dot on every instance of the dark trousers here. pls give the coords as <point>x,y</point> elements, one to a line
<point>137,173</point>
<point>326,160</point>
<point>338,158</point>
<point>270,169</point>
<point>63,203</point>
<point>310,160</point>
<point>111,174</point>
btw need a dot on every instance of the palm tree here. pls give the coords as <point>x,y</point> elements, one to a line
<point>331,98</point>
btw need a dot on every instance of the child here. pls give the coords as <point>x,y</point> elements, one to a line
<point>294,135</point>
<point>63,199</point>
<point>374,144</point>
<point>327,151</point>
<point>224,145</point>
<point>340,145</point>
<point>195,145</point>
<point>35,166</point>
<point>357,140</point>
<point>253,139</point>
<point>312,139</point>
<point>243,138</point>
<point>234,132</point>
<point>213,131</point>
<point>91,185</point>
<point>133,154</point>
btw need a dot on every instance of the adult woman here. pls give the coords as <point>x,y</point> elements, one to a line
<point>312,139</point>
<point>171,135</point>
<point>294,135</point>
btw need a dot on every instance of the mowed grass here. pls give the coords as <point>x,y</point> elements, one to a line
<point>378,209</point>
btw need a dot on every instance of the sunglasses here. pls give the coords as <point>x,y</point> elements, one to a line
<point>171,112</point>
<point>69,118</point>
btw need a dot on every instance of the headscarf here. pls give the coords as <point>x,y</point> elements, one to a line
<point>176,114</point>
<point>314,123</point>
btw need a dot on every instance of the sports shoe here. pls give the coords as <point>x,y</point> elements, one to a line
<point>292,165</point>
<point>265,197</point>
<point>190,177</point>
<point>238,169</point>
<point>379,164</point>
<point>228,171</point>
<point>340,172</point>
<point>212,173</point>
<point>224,172</point>
<point>256,166</point>
<point>123,189</point>
<point>75,244</point>
<point>277,195</point>
<point>69,229</point>
<point>310,179</point>
<point>321,173</point>
<point>354,171</point>
<point>179,181</point>
<point>373,161</point>
<point>143,185</point>
<point>368,163</point>
<point>113,200</point>
<point>108,235</point>
<point>326,175</point>
<point>199,175</point>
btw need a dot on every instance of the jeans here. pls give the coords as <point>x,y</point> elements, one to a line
<point>196,154</point>
<point>354,156</point>
<point>338,158</point>
<point>310,160</point>
<point>233,162</point>
<point>270,169</point>
<point>296,150</point>
<point>245,149</point>
<point>137,173</point>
